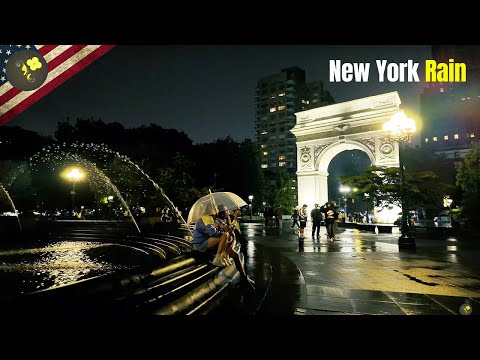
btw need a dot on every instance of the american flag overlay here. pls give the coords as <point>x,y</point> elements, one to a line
<point>63,62</point>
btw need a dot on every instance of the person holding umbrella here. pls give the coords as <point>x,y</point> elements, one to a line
<point>212,233</point>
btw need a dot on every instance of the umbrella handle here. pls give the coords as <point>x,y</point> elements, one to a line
<point>212,201</point>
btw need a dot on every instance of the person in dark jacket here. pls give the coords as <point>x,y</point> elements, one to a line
<point>330,219</point>
<point>316,216</point>
<point>295,218</point>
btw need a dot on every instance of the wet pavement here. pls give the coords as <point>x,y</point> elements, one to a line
<point>359,273</point>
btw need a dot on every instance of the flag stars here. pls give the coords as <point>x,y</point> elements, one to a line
<point>4,70</point>
<point>28,47</point>
<point>3,78</point>
<point>6,61</point>
<point>8,52</point>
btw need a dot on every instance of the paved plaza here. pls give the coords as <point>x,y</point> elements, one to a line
<point>359,273</point>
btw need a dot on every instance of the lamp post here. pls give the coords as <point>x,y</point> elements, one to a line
<point>250,198</point>
<point>400,129</point>
<point>344,190</point>
<point>366,197</point>
<point>447,202</point>
<point>74,175</point>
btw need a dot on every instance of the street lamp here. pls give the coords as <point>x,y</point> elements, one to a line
<point>400,129</point>
<point>367,197</point>
<point>250,198</point>
<point>447,201</point>
<point>344,190</point>
<point>74,175</point>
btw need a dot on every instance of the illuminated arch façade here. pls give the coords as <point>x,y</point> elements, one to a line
<point>324,132</point>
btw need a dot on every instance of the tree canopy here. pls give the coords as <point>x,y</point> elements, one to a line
<point>422,189</point>
<point>468,178</point>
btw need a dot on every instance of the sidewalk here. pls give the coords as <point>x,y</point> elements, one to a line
<point>360,273</point>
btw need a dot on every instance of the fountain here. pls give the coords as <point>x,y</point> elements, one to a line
<point>92,169</point>
<point>101,266</point>
<point>108,165</point>
<point>13,205</point>
<point>157,187</point>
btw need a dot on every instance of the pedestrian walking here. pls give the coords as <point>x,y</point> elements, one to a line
<point>316,216</point>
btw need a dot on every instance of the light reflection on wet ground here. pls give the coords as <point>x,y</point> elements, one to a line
<point>360,273</point>
<point>320,275</point>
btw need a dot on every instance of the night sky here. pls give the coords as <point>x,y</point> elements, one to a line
<point>207,91</point>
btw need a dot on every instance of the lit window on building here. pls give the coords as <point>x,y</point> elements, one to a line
<point>445,137</point>
<point>307,102</point>
<point>273,109</point>
<point>455,136</point>
<point>264,132</point>
<point>472,135</point>
<point>281,94</point>
<point>304,101</point>
<point>441,90</point>
<point>281,107</point>
<point>314,101</point>
<point>435,138</point>
<point>426,140</point>
<point>463,99</point>
<point>263,146</point>
<point>282,163</point>
<point>264,153</point>
<point>264,166</point>
<point>281,157</point>
<point>293,180</point>
<point>293,187</point>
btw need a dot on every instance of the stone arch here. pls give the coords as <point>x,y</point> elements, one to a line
<point>324,132</point>
<point>332,150</point>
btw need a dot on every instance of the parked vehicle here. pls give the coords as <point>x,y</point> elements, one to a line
<point>443,219</point>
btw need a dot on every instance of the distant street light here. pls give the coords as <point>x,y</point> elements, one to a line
<point>367,196</point>
<point>250,198</point>
<point>447,201</point>
<point>74,175</point>
<point>400,129</point>
<point>345,190</point>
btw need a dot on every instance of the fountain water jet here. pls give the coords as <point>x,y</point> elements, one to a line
<point>92,168</point>
<point>99,152</point>
<point>13,206</point>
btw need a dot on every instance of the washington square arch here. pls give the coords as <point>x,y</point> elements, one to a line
<point>324,132</point>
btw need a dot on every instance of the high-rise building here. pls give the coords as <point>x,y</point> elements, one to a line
<point>451,111</point>
<point>277,98</point>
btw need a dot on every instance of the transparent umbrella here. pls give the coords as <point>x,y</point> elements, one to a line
<point>204,205</point>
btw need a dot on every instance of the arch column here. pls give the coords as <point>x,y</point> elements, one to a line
<point>312,188</point>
